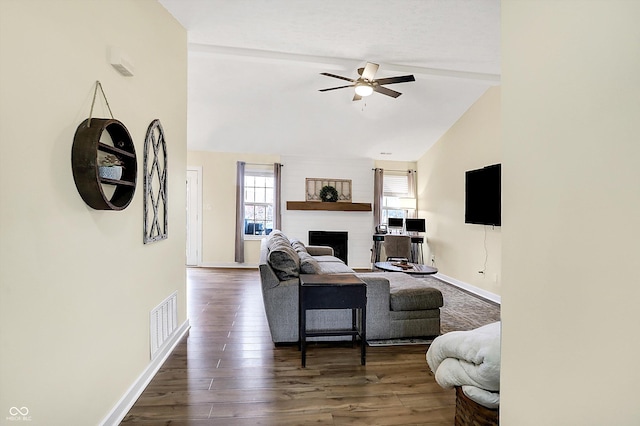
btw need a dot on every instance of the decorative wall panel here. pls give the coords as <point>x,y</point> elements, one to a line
<point>155,184</point>
<point>314,187</point>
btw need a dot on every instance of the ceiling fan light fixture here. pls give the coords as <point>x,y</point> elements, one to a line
<point>363,89</point>
<point>367,84</point>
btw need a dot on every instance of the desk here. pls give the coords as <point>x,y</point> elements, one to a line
<point>378,239</point>
<point>416,269</point>
<point>337,291</point>
<point>416,248</point>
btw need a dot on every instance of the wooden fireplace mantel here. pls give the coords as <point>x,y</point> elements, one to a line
<point>335,207</point>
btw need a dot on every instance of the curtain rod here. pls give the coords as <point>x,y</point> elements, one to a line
<point>262,164</point>
<point>392,170</point>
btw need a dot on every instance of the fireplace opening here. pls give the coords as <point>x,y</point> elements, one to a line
<point>334,239</point>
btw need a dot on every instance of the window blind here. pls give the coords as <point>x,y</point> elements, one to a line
<point>396,185</point>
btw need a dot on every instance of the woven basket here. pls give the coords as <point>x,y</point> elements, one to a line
<point>470,413</point>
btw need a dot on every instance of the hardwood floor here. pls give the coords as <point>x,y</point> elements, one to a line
<point>228,372</point>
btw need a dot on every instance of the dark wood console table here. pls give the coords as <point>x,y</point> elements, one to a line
<point>333,291</point>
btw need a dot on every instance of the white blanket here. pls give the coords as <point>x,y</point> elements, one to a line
<point>470,359</point>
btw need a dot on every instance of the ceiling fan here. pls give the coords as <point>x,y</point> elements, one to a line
<point>366,84</point>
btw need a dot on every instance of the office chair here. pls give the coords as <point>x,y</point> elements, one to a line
<point>397,247</point>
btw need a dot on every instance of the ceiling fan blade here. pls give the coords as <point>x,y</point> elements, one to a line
<point>392,80</point>
<point>338,76</point>
<point>367,75</point>
<point>386,91</point>
<point>369,71</point>
<point>334,88</point>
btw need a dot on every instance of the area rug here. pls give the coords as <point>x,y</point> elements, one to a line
<point>399,342</point>
<point>461,311</point>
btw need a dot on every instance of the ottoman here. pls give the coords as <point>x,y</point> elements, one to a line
<point>414,306</point>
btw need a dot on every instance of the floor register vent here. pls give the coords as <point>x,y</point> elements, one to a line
<point>164,322</point>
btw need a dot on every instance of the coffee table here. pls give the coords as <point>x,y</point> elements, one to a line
<point>416,268</point>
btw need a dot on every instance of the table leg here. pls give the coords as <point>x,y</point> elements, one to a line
<point>354,326</point>
<point>363,335</point>
<point>302,334</point>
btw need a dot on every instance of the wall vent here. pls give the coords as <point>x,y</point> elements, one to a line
<point>164,322</point>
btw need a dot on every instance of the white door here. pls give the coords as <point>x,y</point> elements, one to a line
<point>194,214</point>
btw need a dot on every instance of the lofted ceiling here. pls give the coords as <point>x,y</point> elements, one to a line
<point>254,73</point>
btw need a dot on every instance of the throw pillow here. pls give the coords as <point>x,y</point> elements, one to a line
<point>277,232</point>
<point>298,246</point>
<point>276,238</point>
<point>285,261</point>
<point>308,265</point>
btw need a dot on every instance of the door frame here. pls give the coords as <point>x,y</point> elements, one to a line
<point>198,224</point>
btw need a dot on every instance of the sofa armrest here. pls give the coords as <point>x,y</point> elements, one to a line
<point>268,277</point>
<point>378,316</point>
<point>320,250</point>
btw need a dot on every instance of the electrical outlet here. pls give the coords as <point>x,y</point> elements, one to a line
<point>433,259</point>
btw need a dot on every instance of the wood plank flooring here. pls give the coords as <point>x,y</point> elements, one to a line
<point>228,372</point>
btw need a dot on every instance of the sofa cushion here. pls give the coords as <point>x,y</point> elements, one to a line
<point>334,268</point>
<point>322,259</point>
<point>320,250</point>
<point>284,260</point>
<point>414,295</point>
<point>308,265</point>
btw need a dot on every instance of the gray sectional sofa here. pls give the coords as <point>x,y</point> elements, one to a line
<point>398,305</point>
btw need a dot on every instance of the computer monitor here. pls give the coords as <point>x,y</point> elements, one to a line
<point>415,225</point>
<point>395,222</point>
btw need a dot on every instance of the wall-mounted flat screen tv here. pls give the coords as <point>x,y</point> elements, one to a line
<point>415,225</point>
<point>482,196</point>
<point>395,222</point>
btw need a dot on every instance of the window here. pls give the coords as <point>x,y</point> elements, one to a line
<point>397,201</point>
<point>258,202</point>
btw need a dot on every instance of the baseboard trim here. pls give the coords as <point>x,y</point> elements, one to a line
<point>470,288</point>
<point>123,406</point>
<point>227,265</point>
<point>256,266</point>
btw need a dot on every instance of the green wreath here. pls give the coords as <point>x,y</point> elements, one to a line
<point>329,193</point>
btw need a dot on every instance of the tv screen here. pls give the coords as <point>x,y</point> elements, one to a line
<point>415,225</point>
<point>395,222</point>
<point>482,196</point>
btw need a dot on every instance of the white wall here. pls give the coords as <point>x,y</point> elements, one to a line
<point>219,206</point>
<point>76,284</point>
<point>462,250</point>
<point>359,225</point>
<point>571,185</point>
<point>219,180</point>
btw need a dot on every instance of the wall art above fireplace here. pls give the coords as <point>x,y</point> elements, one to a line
<point>314,189</point>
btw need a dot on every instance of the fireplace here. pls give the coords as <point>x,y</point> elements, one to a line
<point>334,239</point>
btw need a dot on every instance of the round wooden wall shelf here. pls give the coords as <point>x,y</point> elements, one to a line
<point>84,162</point>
